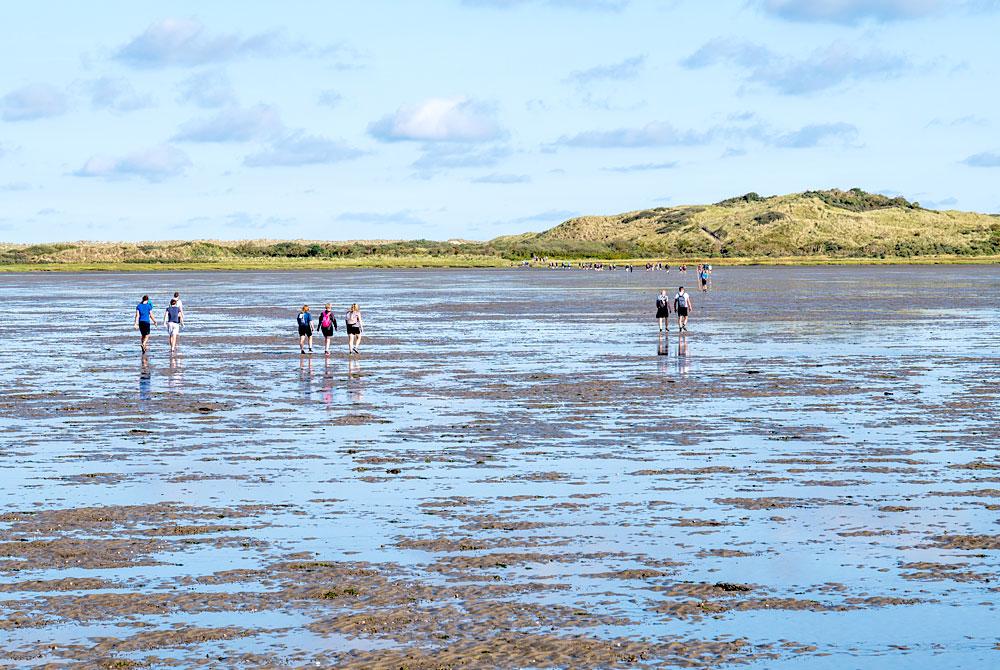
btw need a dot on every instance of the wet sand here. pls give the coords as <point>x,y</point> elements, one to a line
<point>511,475</point>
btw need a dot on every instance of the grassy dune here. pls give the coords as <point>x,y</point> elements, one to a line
<point>813,227</point>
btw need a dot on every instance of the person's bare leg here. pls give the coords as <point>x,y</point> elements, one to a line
<point>310,343</point>
<point>357,341</point>
<point>302,343</point>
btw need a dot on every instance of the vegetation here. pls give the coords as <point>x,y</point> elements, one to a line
<point>832,225</point>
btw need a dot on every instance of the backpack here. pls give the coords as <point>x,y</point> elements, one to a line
<point>325,320</point>
<point>352,318</point>
<point>682,300</point>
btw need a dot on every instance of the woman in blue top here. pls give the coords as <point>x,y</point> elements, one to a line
<point>143,317</point>
<point>305,329</point>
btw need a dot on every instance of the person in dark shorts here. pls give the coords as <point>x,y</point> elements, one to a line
<point>143,318</point>
<point>327,324</point>
<point>305,329</point>
<point>355,326</point>
<point>682,305</point>
<point>663,310</point>
<point>703,276</point>
<point>174,316</point>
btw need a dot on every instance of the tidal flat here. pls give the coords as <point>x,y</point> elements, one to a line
<point>517,472</point>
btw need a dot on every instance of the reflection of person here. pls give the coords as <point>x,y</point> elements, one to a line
<point>355,386</point>
<point>145,377</point>
<point>327,324</point>
<point>143,317</point>
<point>682,355</point>
<point>663,346</point>
<point>683,305</point>
<point>663,310</point>
<point>174,316</point>
<point>305,329</point>
<point>355,326</point>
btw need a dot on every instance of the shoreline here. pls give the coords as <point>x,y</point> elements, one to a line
<point>466,263</point>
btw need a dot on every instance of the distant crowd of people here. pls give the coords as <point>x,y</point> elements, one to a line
<point>326,323</point>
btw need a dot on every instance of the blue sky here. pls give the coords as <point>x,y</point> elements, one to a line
<point>476,118</point>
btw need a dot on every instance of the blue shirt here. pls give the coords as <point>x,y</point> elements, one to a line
<point>305,318</point>
<point>144,309</point>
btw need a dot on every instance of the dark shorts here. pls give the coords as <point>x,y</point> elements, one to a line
<point>704,281</point>
<point>305,330</point>
<point>662,313</point>
<point>327,332</point>
<point>353,330</point>
<point>144,327</point>
<point>682,311</point>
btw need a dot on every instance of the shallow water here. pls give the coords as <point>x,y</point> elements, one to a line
<point>512,447</point>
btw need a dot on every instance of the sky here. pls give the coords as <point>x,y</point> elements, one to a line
<point>439,119</point>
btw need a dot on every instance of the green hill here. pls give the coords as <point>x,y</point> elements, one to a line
<point>834,223</point>
<point>815,226</point>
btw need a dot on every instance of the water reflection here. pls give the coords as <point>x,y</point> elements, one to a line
<point>175,378</point>
<point>355,384</point>
<point>663,345</point>
<point>327,390</point>
<point>683,364</point>
<point>145,380</point>
<point>305,375</point>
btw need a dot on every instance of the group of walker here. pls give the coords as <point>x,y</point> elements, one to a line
<point>173,317</point>
<point>683,305</point>
<point>326,324</point>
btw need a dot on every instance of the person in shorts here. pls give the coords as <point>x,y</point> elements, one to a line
<point>703,276</point>
<point>305,329</point>
<point>143,318</point>
<point>174,318</point>
<point>327,324</point>
<point>682,305</point>
<point>663,310</point>
<point>355,326</point>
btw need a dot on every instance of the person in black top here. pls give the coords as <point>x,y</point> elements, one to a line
<point>327,324</point>
<point>305,329</point>
<point>663,310</point>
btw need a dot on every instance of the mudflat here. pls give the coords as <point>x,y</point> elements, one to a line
<point>517,472</point>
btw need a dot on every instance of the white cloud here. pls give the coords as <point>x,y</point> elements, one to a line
<point>986,159</point>
<point>232,125</point>
<point>297,148</point>
<point>404,217</point>
<point>208,89</point>
<point>186,42</point>
<point>34,101</point>
<point>329,98</point>
<point>117,94</point>
<point>153,164</point>
<point>852,12</point>
<point>458,119</point>
<point>497,178</point>
<point>621,71</point>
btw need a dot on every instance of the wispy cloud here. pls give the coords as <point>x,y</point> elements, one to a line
<point>828,67</point>
<point>548,216</point>
<point>117,94</point>
<point>944,203</point>
<point>232,125</point>
<point>297,148</point>
<point>654,134</point>
<point>15,186</point>
<point>497,178</point>
<point>186,42</point>
<point>32,102</point>
<point>457,119</point>
<point>968,120</point>
<point>584,5</point>
<point>436,157</point>
<point>986,159</point>
<point>621,71</point>
<point>403,217</point>
<point>642,167</point>
<point>853,12</point>
<point>248,221</point>
<point>208,89</point>
<point>816,134</point>
<point>154,164</point>
<point>329,98</point>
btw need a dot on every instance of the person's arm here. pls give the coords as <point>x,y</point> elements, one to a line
<point>180,316</point>
<point>135,320</point>
<point>334,318</point>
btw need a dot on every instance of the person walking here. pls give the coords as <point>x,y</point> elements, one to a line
<point>682,305</point>
<point>327,324</point>
<point>703,276</point>
<point>174,318</point>
<point>143,317</point>
<point>177,297</point>
<point>305,329</point>
<point>663,310</point>
<point>355,326</point>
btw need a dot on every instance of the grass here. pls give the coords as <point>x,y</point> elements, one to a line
<point>814,227</point>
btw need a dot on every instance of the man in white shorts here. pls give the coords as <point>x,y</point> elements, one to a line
<point>174,318</point>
